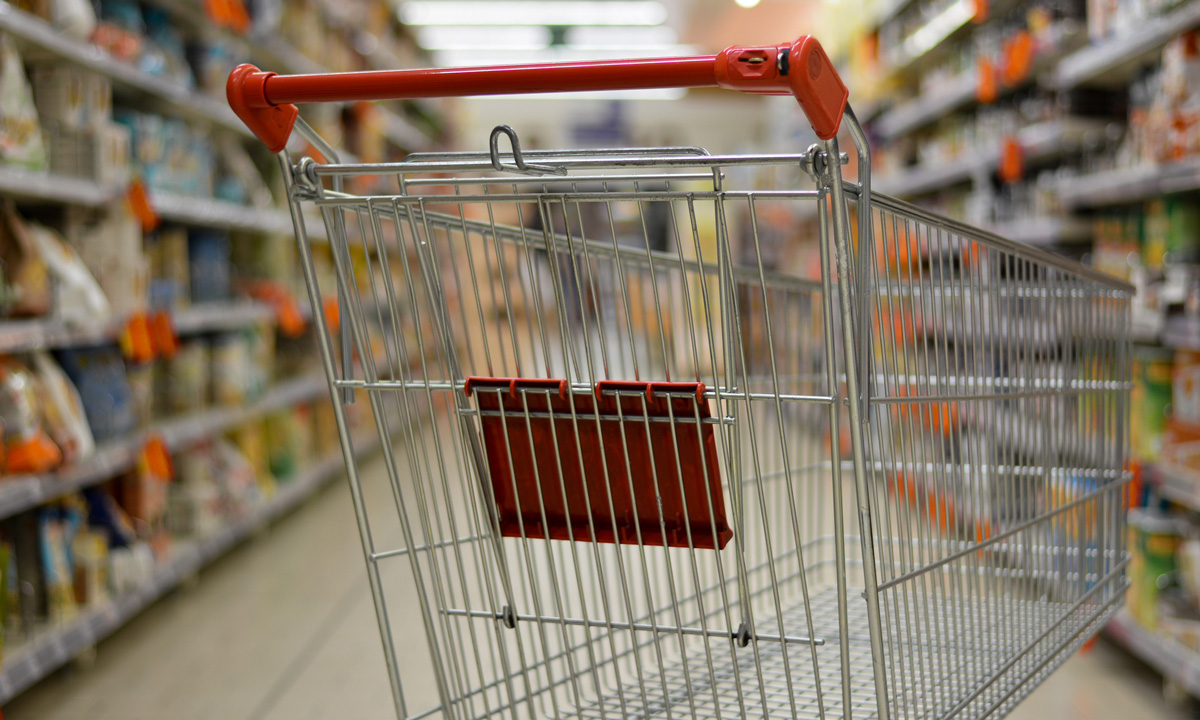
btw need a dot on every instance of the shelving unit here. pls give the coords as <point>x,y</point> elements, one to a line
<point>1047,230</point>
<point>188,103</point>
<point>204,212</point>
<point>1175,486</point>
<point>924,109</point>
<point>1130,185</point>
<point>207,212</point>
<point>1160,652</point>
<point>959,93</point>
<point>204,113</point>
<point>24,492</point>
<point>26,335</point>
<point>1069,66</point>
<point>1181,334</point>
<point>272,53</point>
<point>1040,143</point>
<point>220,316</point>
<point>54,647</point>
<point>33,185</point>
<point>1113,61</point>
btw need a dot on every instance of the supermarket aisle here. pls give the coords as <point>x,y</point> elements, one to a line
<point>284,629</point>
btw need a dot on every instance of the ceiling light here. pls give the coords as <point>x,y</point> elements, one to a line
<point>532,12</point>
<point>613,36</point>
<point>472,57</point>
<point>518,37</point>
<point>938,29</point>
<point>746,3</point>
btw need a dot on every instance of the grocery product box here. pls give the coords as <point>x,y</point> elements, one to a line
<point>98,154</point>
<point>70,96</point>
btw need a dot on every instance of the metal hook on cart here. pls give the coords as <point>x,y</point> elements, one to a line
<point>519,159</point>
<point>306,185</point>
<point>816,161</point>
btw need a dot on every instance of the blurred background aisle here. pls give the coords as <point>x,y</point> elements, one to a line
<point>165,420</point>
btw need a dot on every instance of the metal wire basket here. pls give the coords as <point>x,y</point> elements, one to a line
<point>668,476</point>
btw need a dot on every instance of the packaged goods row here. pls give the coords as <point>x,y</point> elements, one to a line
<point>78,553</point>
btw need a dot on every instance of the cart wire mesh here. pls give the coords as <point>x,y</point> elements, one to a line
<point>937,558</point>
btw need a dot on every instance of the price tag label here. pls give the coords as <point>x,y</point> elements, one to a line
<point>985,81</point>
<point>163,335</point>
<point>137,342</point>
<point>288,316</point>
<point>1012,160</point>
<point>229,14</point>
<point>139,204</point>
<point>154,460</point>
<point>983,10</point>
<point>1018,58</point>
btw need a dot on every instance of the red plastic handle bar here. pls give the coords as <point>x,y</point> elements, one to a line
<point>266,101</point>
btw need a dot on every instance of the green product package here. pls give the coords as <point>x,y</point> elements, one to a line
<point>1155,228</point>
<point>1183,228</point>
<point>1153,540</point>
<point>21,141</point>
<point>1151,401</point>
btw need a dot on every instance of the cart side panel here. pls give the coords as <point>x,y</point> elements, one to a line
<point>997,442</point>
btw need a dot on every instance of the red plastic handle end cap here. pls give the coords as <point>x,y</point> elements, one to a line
<point>816,85</point>
<point>246,92</point>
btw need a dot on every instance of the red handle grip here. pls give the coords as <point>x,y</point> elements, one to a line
<point>266,101</point>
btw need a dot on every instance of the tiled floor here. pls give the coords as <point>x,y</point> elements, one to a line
<point>284,629</point>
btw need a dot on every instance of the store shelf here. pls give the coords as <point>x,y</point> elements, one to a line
<point>274,54</point>
<point>271,52</point>
<point>186,210</point>
<point>1113,62</point>
<point>926,108</point>
<point>1147,325</point>
<point>17,182</point>
<point>1041,142</point>
<point>207,212</point>
<point>959,92</point>
<point>1163,653</point>
<point>1174,484</point>
<point>1047,230</point>
<point>1034,436</point>
<point>1130,185</point>
<point>220,316</point>
<point>52,649</point>
<point>44,39</point>
<point>26,335</point>
<point>19,493</point>
<point>1181,333</point>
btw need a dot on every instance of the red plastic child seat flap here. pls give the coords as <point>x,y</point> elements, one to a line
<point>644,445</point>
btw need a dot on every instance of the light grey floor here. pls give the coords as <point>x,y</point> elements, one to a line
<point>283,629</point>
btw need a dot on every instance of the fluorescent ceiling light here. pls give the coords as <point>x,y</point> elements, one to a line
<point>474,37</point>
<point>746,3</point>
<point>532,12</point>
<point>612,36</point>
<point>938,29</point>
<point>561,53</point>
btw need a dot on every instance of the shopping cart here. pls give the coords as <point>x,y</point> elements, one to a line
<point>693,482</point>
